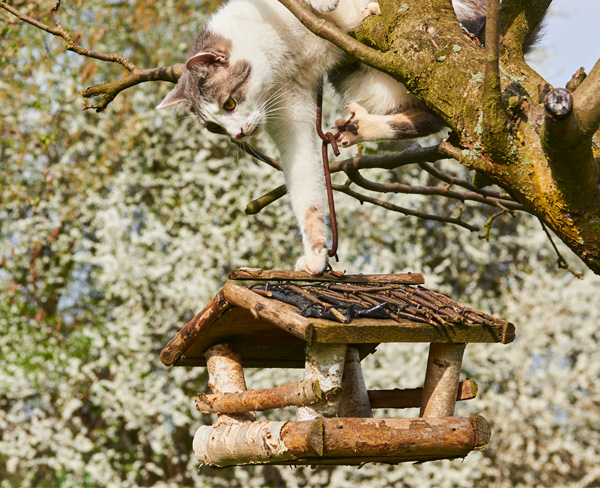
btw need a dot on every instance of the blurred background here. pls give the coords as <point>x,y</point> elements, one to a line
<point>117,228</point>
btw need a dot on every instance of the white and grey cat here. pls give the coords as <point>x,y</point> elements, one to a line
<point>254,66</point>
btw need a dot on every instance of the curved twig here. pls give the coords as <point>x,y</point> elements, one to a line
<point>406,211</point>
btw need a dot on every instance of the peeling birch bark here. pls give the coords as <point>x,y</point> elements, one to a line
<point>340,441</point>
<point>325,365</point>
<point>441,380</point>
<point>226,376</point>
<point>354,401</point>
<point>236,444</point>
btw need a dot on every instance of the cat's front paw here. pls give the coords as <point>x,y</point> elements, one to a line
<point>313,264</point>
<point>372,8</point>
<point>324,6</point>
<point>349,129</point>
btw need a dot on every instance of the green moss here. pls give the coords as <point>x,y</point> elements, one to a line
<point>477,77</point>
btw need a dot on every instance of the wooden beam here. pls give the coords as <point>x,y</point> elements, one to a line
<point>259,274</point>
<point>441,380</point>
<point>403,330</point>
<point>411,398</point>
<point>273,311</point>
<point>341,441</point>
<point>300,393</point>
<point>175,348</point>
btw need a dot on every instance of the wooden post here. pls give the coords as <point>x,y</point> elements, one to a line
<point>324,364</point>
<point>225,375</point>
<point>354,401</point>
<point>441,379</point>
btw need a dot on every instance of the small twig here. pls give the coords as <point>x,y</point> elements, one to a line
<point>488,225</point>
<point>562,262</point>
<point>55,7</point>
<point>60,31</point>
<point>406,211</point>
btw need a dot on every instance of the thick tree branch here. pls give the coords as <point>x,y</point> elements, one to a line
<point>520,21</point>
<point>587,102</point>
<point>327,30</point>
<point>495,121</point>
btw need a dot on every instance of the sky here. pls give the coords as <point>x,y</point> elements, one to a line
<point>570,40</point>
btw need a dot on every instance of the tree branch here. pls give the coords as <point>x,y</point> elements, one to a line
<point>60,31</point>
<point>328,31</point>
<point>406,211</point>
<point>495,121</point>
<point>587,102</point>
<point>110,90</point>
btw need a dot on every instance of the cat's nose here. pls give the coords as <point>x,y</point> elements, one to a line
<point>239,135</point>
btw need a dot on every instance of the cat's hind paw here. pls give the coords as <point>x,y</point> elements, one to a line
<point>323,6</point>
<point>349,128</point>
<point>372,8</point>
<point>313,264</point>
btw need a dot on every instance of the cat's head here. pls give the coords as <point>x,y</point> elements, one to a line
<point>218,89</point>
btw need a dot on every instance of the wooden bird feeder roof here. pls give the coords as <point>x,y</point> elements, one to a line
<point>270,320</point>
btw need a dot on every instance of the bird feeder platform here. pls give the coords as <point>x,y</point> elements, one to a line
<point>327,324</point>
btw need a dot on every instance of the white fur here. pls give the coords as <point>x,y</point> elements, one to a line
<point>287,63</point>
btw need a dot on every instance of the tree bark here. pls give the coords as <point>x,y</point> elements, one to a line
<point>324,366</point>
<point>441,380</point>
<point>292,395</point>
<point>354,401</point>
<point>340,441</point>
<point>225,375</point>
<point>445,69</point>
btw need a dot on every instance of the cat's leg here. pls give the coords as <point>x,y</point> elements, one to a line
<point>323,6</point>
<point>364,126</point>
<point>380,107</point>
<point>300,150</point>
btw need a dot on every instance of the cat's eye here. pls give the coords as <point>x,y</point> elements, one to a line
<point>229,104</point>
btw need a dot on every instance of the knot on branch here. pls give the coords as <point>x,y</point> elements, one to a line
<point>559,104</point>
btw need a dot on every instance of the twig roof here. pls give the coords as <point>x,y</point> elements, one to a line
<point>270,322</point>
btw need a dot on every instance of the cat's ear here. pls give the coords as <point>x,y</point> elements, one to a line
<point>174,98</point>
<point>200,62</point>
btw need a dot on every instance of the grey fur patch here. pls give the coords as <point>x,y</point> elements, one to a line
<point>219,81</point>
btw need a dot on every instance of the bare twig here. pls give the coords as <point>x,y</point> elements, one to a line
<point>562,262</point>
<point>406,211</point>
<point>60,31</point>
<point>495,126</point>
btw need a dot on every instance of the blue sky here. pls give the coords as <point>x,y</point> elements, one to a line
<point>571,39</point>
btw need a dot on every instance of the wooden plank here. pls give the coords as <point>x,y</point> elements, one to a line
<point>411,398</point>
<point>382,330</point>
<point>259,274</point>
<point>277,313</point>
<point>175,348</point>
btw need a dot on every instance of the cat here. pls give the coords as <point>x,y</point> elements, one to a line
<point>255,67</point>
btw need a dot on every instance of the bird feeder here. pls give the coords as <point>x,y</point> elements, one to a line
<point>327,324</point>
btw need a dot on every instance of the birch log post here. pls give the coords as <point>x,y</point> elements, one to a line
<point>354,401</point>
<point>225,375</point>
<point>441,379</point>
<point>324,364</point>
